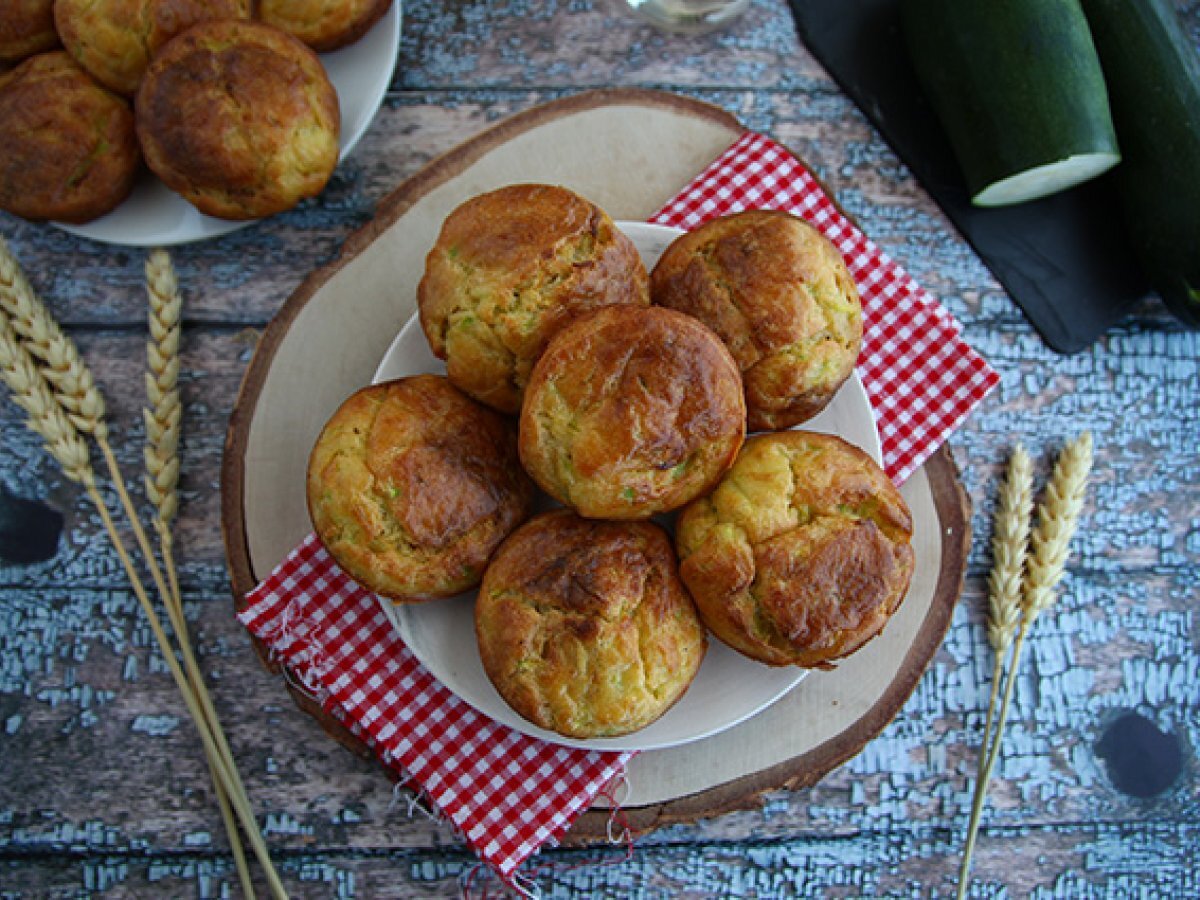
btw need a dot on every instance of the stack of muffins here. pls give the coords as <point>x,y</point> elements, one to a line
<point>225,100</point>
<point>626,397</point>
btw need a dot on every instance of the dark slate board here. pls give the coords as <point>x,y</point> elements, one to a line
<point>1063,259</point>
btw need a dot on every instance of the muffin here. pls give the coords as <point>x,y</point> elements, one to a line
<point>239,118</point>
<point>631,411</point>
<point>115,39</point>
<point>70,152</point>
<point>26,28</point>
<point>801,554</point>
<point>507,271</point>
<point>779,294</point>
<point>584,627</point>
<point>323,24</point>
<point>412,486</point>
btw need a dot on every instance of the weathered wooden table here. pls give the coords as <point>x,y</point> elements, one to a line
<point>104,789</point>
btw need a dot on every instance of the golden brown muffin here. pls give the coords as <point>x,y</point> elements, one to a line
<point>115,39</point>
<point>507,271</point>
<point>801,554</point>
<point>779,294</point>
<point>26,28</point>
<point>412,485</point>
<point>239,118</point>
<point>632,411</point>
<point>584,627</point>
<point>323,24</point>
<point>70,152</point>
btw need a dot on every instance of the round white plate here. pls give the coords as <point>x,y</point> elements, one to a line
<point>155,216</point>
<point>728,689</point>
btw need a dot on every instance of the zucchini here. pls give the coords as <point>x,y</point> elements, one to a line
<point>1153,75</point>
<point>1018,88</point>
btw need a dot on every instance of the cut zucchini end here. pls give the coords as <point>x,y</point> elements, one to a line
<point>1041,181</point>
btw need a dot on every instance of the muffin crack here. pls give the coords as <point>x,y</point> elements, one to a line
<point>99,147</point>
<point>396,532</point>
<point>748,351</point>
<point>243,131</point>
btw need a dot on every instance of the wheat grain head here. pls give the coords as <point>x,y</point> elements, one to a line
<point>62,365</point>
<point>164,411</point>
<point>1058,516</point>
<point>47,418</point>
<point>1010,541</point>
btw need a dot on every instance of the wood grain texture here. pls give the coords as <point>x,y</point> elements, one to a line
<point>103,791</point>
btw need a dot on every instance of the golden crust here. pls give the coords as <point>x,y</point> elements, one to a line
<point>323,24</point>
<point>630,412</point>
<point>70,152</point>
<point>412,485</point>
<point>584,627</point>
<point>239,118</point>
<point>780,296</point>
<point>26,28</point>
<point>115,39</point>
<point>801,554</point>
<point>509,269</point>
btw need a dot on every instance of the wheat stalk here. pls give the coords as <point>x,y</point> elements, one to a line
<point>50,381</point>
<point>1044,564</point>
<point>163,416</point>
<point>1010,541</point>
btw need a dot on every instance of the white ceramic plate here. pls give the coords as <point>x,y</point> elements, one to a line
<point>728,689</point>
<point>155,216</point>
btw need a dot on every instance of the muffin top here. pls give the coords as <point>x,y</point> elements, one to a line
<point>509,269</point>
<point>323,24</point>
<point>631,411</point>
<point>802,552</point>
<point>584,626</point>
<point>26,28</point>
<point>115,39</point>
<point>780,296</point>
<point>70,152</point>
<point>239,118</point>
<point>412,486</point>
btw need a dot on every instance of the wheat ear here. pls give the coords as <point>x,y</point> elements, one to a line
<point>62,381</point>
<point>163,416</point>
<point>1010,541</point>
<point>48,418</point>
<point>164,410</point>
<point>1049,546</point>
<point>60,365</point>
<point>1045,562</point>
<point>68,375</point>
<point>1058,517</point>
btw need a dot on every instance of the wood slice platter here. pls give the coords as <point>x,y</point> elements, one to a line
<point>628,151</point>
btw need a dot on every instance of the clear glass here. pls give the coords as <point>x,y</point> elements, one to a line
<point>688,16</point>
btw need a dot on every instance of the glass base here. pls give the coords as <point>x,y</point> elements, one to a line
<point>688,16</point>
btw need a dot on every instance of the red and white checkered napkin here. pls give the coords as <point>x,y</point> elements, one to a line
<point>921,377</point>
<point>507,793</point>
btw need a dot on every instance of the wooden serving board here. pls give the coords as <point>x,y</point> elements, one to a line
<point>629,151</point>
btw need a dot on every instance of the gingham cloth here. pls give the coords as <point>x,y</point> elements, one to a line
<point>507,794</point>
